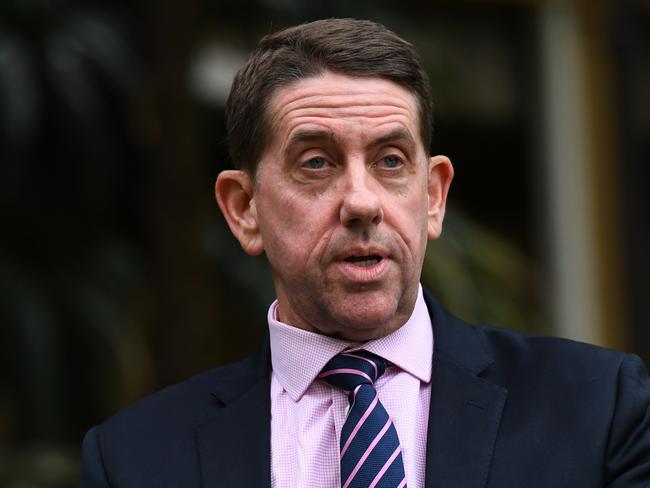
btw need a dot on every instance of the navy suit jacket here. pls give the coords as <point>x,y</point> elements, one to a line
<point>506,410</point>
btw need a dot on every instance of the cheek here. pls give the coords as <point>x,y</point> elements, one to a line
<point>289,226</point>
<point>412,221</point>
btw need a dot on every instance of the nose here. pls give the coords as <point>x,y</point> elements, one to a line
<point>361,202</point>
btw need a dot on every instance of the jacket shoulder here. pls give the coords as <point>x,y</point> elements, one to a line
<point>190,400</point>
<point>154,439</point>
<point>521,346</point>
<point>486,348</point>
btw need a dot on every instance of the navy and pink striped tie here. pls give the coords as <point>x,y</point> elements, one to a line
<point>371,456</point>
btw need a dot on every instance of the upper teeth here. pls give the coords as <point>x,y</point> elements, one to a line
<point>366,262</point>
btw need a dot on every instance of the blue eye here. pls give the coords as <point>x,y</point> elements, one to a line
<point>316,163</point>
<point>392,161</point>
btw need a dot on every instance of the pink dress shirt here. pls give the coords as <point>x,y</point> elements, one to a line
<point>307,414</point>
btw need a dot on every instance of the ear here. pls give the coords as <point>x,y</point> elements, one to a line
<point>441,172</point>
<point>234,192</point>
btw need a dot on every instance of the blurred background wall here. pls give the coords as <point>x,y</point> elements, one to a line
<point>118,275</point>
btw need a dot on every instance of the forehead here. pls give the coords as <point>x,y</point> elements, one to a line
<point>353,105</point>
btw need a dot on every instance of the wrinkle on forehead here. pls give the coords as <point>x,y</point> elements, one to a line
<point>335,102</point>
<point>333,96</point>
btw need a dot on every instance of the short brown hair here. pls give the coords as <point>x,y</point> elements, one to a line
<point>359,48</point>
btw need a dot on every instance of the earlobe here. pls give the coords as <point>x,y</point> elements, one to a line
<point>234,192</point>
<point>441,172</point>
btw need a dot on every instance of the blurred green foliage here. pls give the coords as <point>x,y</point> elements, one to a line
<point>481,276</point>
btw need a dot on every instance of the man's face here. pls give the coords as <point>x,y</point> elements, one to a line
<point>345,198</point>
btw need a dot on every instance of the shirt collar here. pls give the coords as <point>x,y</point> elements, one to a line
<point>298,356</point>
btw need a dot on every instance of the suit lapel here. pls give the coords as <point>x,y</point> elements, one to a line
<point>465,409</point>
<point>235,441</point>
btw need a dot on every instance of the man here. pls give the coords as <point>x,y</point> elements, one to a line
<point>365,380</point>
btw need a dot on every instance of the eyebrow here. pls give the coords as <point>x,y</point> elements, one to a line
<point>399,134</point>
<point>315,135</point>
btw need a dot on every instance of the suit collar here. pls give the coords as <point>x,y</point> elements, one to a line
<point>465,409</point>
<point>235,441</point>
<point>234,380</point>
<point>460,343</point>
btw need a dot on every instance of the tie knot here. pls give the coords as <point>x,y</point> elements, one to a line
<point>351,369</point>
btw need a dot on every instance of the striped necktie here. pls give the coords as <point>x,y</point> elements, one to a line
<point>370,452</point>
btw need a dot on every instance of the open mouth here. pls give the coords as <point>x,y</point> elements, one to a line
<point>364,260</point>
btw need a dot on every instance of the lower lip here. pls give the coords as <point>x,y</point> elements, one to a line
<point>364,274</point>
